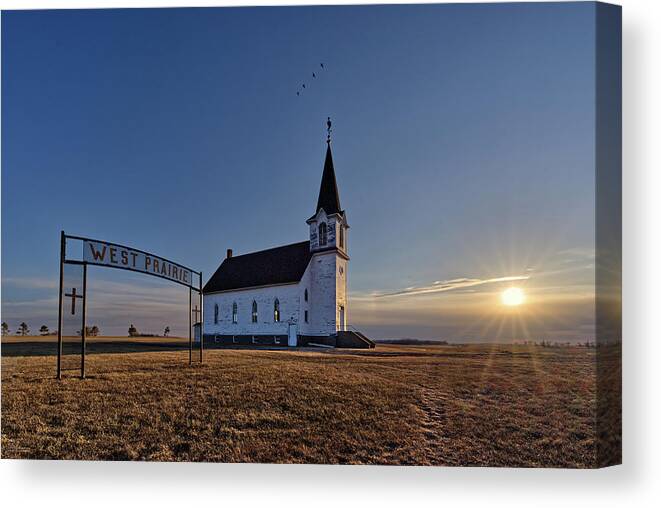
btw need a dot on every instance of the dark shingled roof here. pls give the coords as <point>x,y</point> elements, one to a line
<point>329,197</point>
<point>280,265</point>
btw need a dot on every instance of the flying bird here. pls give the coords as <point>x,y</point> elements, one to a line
<point>303,87</point>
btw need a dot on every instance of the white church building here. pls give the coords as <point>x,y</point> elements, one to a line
<point>293,295</point>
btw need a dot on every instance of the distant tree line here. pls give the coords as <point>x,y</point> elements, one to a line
<point>542,343</point>
<point>133,332</point>
<point>23,329</point>
<point>413,342</point>
<point>90,331</point>
<point>548,343</point>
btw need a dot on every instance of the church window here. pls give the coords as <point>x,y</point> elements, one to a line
<point>341,237</point>
<point>254,311</point>
<point>235,313</point>
<point>276,311</point>
<point>306,294</point>
<point>215,314</point>
<point>323,236</point>
<point>306,316</point>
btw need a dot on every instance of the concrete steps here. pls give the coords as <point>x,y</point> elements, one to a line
<point>353,339</point>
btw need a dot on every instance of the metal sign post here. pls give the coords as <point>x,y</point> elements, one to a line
<point>83,331</point>
<point>100,253</point>
<point>190,326</point>
<point>201,320</point>
<point>59,311</point>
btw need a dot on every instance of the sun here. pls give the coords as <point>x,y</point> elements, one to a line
<point>513,297</point>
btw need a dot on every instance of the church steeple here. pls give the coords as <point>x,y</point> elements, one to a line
<point>328,225</point>
<point>329,197</point>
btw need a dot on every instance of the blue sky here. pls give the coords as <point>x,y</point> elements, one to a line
<point>463,146</point>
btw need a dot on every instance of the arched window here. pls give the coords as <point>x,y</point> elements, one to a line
<point>342,236</point>
<point>276,311</point>
<point>322,234</point>
<point>306,294</point>
<point>235,313</point>
<point>215,314</point>
<point>254,311</point>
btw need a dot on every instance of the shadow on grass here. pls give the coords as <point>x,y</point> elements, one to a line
<point>28,348</point>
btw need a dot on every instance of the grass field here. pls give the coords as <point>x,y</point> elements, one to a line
<point>481,405</point>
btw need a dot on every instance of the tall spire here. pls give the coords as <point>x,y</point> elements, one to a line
<point>329,197</point>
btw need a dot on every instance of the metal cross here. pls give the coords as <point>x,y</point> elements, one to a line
<point>196,311</point>
<point>73,296</point>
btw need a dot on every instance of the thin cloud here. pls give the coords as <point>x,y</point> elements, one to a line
<point>441,286</point>
<point>31,282</point>
<point>577,254</point>
<point>46,302</point>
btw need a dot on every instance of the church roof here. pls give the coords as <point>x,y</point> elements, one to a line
<point>329,197</point>
<point>280,265</point>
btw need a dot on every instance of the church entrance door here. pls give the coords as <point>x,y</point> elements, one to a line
<point>292,335</point>
<point>342,324</point>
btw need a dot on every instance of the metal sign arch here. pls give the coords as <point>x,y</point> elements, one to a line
<point>114,255</point>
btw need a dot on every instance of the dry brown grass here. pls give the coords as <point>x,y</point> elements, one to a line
<point>444,405</point>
